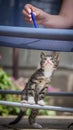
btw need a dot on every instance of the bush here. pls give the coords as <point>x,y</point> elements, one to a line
<point>7,84</point>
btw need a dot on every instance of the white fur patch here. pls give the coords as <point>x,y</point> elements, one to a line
<point>24,101</point>
<point>41,102</point>
<point>36,126</point>
<point>31,100</point>
<point>48,73</point>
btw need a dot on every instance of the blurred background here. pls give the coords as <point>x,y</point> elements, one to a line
<point>21,63</point>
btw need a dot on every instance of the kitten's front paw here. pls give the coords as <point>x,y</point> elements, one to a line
<point>41,102</point>
<point>31,100</point>
<point>24,101</point>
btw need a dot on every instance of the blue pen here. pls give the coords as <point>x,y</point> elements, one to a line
<point>34,20</point>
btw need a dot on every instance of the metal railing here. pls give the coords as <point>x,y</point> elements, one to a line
<point>39,39</point>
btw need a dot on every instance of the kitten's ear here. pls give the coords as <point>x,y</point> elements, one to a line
<point>55,55</point>
<point>42,55</point>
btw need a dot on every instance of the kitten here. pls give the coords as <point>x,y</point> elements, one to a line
<point>37,86</point>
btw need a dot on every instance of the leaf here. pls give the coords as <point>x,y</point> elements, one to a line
<point>51,113</point>
<point>42,112</point>
<point>28,112</point>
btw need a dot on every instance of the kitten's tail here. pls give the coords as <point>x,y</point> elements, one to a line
<point>18,118</point>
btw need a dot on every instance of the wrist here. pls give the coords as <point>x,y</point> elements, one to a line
<point>57,21</point>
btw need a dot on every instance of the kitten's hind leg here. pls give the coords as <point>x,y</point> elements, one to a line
<point>31,119</point>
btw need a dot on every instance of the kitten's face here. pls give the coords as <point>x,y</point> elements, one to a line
<point>49,61</point>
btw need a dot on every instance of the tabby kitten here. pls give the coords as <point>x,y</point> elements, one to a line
<point>37,86</point>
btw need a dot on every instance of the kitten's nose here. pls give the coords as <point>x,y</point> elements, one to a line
<point>48,62</point>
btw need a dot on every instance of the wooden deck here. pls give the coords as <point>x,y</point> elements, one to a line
<point>50,123</point>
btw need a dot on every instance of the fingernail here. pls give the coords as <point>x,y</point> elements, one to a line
<point>29,15</point>
<point>30,19</point>
<point>29,10</point>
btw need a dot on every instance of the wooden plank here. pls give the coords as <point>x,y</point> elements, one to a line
<point>50,123</point>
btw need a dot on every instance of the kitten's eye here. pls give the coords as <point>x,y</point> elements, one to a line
<point>40,81</point>
<point>45,58</point>
<point>52,58</point>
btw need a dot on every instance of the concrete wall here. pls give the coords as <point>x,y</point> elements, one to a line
<point>30,58</point>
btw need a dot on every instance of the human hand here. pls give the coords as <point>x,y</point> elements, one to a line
<point>39,14</point>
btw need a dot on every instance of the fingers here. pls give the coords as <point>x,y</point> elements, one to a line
<point>37,12</point>
<point>29,8</point>
<point>26,12</point>
<point>26,15</point>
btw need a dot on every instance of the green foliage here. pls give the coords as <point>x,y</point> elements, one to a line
<point>7,84</point>
<point>47,112</point>
<point>28,111</point>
